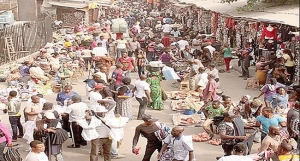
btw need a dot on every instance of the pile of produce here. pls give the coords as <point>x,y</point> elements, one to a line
<point>201,137</point>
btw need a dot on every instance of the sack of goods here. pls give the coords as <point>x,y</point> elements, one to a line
<point>119,25</point>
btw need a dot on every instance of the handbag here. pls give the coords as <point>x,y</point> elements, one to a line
<point>12,154</point>
<point>167,155</point>
<point>162,132</point>
<point>164,96</point>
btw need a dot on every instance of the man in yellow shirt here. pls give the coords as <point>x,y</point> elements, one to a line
<point>13,110</point>
<point>284,151</point>
<point>67,43</point>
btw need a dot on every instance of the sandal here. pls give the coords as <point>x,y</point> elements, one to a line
<point>118,156</point>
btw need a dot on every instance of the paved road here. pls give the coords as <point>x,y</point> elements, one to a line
<point>231,84</point>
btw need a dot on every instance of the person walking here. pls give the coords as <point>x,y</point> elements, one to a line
<point>103,142</point>
<point>181,146</point>
<point>142,95</point>
<point>5,139</point>
<point>156,90</point>
<point>227,52</point>
<point>128,63</point>
<point>13,110</point>
<point>37,151</point>
<point>267,119</point>
<point>147,129</point>
<point>76,111</point>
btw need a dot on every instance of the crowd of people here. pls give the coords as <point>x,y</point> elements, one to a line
<point>153,36</point>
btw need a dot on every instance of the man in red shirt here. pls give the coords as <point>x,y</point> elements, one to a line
<point>128,63</point>
<point>166,40</point>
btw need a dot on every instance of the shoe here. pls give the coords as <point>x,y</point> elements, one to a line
<point>83,144</point>
<point>118,156</point>
<point>14,140</point>
<point>20,136</point>
<point>72,146</point>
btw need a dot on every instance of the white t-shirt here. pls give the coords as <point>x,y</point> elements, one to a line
<point>214,72</point>
<point>94,97</point>
<point>99,51</point>
<point>76,111</point>
<point>104,43</point>
<point>166,28</point>
<point>121,44</point>
<point>175,33</point>
<point>141,86</point>
<point>235,158</point>
<point>182,44</point>
<point>36,157</point>
<point>211,49</point>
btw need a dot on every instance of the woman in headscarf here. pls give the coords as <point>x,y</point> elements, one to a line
<point>14,76</point>
<point>253,108</point>
<point>156,90</point>
<point>123,99</point>
<point>268,90</point>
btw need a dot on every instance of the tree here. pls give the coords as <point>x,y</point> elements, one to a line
<point>255,4</point>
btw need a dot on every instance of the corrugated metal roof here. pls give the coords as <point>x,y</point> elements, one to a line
<point>71,5</point>
<point>287,14</point>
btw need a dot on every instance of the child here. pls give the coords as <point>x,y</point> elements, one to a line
<point>13,110</point>
<point>140,62</point>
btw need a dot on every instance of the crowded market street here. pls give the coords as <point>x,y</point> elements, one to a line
<point>231,85</point>
<point>150,80</point>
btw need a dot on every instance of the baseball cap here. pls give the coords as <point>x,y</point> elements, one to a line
<point>100,108</point>
<point>49,115</point>
<point>149,118</point>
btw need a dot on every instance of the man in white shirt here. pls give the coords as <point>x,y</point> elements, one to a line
<point>37,152</point>
<point>166,28</point>
<point>95,96</point>
<point>182,43</point>
<point>77,110</point>
<point>196,43</point>
<point>142,95</point>
<point>103,142</point>
<point>103,41</point>
<point>175,33</point>
<point>99,50</point>
<point>212,70</point>
<point>182,146</point>
<point>210,48</point>
<point>121,46</point>
<point>238,154</point>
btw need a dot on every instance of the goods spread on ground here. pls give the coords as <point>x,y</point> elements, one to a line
<point>201,137</point>
<point>187,120</point>
<point>181,105</point>
<point>176,95</point>
<point>215,141</point>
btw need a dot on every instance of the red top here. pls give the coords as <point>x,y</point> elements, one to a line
<point>166,41</point>
<point>270,34</point>
<point>127,63</point>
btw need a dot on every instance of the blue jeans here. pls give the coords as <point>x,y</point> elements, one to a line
<point>15,125</point>
<point>114,148</point>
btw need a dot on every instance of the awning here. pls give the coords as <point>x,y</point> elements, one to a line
<point>182,5</point>
<point>70,5</point>
<point>287,14</point>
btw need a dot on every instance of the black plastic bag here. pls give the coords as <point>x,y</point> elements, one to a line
<point>12,154</point>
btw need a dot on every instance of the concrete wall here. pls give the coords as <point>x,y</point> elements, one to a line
<point>8,4</point>
<point>27,10</point>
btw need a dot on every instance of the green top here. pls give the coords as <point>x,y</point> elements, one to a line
<point>227,53</point>
<point>215,112</point>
